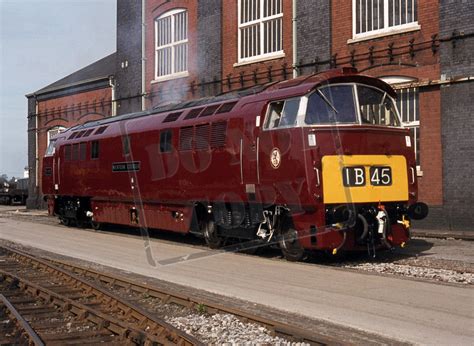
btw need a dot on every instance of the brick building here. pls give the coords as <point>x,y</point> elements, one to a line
<point>176,50</point>
<point>84,95</point>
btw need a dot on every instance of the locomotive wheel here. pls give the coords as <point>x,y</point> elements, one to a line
<point>66,221</point>
<point>213,240</point>
<point>290,246</point>
<point>96,225</point>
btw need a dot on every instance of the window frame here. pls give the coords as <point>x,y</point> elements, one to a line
<point>59,129</point>
<point>297,123</point>
<point>261,22</point>
<point>386,30</point>
<point>166,141</point>
<point>173,75</point>
<point>51,148</point>
<point>95,150</point>
<point>304,103</point>
<point>415,124</point>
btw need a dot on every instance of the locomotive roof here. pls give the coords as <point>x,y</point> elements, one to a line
<point>297,86</point>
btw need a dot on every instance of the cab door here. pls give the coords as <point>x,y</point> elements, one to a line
<point>49,170</point>
<point>281,156</point>
<point>56,171</point>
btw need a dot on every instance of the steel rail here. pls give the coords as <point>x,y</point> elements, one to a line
<point>33,337</point>
<point>114,325</point>
<point>158,330</point>
<point>166,296</point>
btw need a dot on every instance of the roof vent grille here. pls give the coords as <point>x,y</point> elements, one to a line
<point>100,130</point>
<point>226,107</point>
<point>193,113</point>
<point>209,110</point>
<point>172,117</point>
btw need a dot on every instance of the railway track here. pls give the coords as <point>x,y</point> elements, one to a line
<point>43,303</point>
<point>96,279</point>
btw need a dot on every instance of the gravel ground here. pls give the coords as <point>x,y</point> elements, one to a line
<point>224,329</point>
<point>438,260</point>
<point>215,329</point>
<point>441,275</point>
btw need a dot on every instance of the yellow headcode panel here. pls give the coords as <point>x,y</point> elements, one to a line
<point>364,178</point>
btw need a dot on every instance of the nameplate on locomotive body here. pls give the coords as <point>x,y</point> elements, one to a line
<point>126,166</point>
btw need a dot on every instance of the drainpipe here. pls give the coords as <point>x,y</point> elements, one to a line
<point>143,56</point>
<point>36,149</point>
<point>112,84</point>
<point>295,40</point>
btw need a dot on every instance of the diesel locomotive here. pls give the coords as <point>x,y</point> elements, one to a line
<point>319,162</point>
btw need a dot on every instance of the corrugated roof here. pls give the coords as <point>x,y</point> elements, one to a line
<point>100,69</point>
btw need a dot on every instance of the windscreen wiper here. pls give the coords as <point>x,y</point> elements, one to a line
<point>328,102</point>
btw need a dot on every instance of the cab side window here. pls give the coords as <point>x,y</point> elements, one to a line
<point>274,115</point>
<point>282,114</point>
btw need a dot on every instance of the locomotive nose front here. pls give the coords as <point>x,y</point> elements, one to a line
<point>368,194</point>
<point>367,167</point>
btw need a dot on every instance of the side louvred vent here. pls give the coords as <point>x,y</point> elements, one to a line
<point>218,134</point>
<point>186,138</point>
<point>201,139</point>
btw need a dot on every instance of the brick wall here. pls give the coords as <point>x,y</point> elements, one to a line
<point>458,153</point>
<point>457,17</point>
<point>178,89</point>
<point>313,35</point>
<point>209,40</point>
<point>128,75</point>
<point>380,63</point>
<point>268,70</point>
<point>431,183</point>
<point>457,108</point>
<point>67,111</point>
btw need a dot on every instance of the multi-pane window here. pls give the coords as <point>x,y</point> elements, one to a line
<point>408,106</point>
<point>53,132</point>
<point>171,44</point>
<point>374,15</point>
<point>260,28</point>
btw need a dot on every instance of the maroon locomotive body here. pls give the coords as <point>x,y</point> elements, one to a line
<point>319,162</point>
